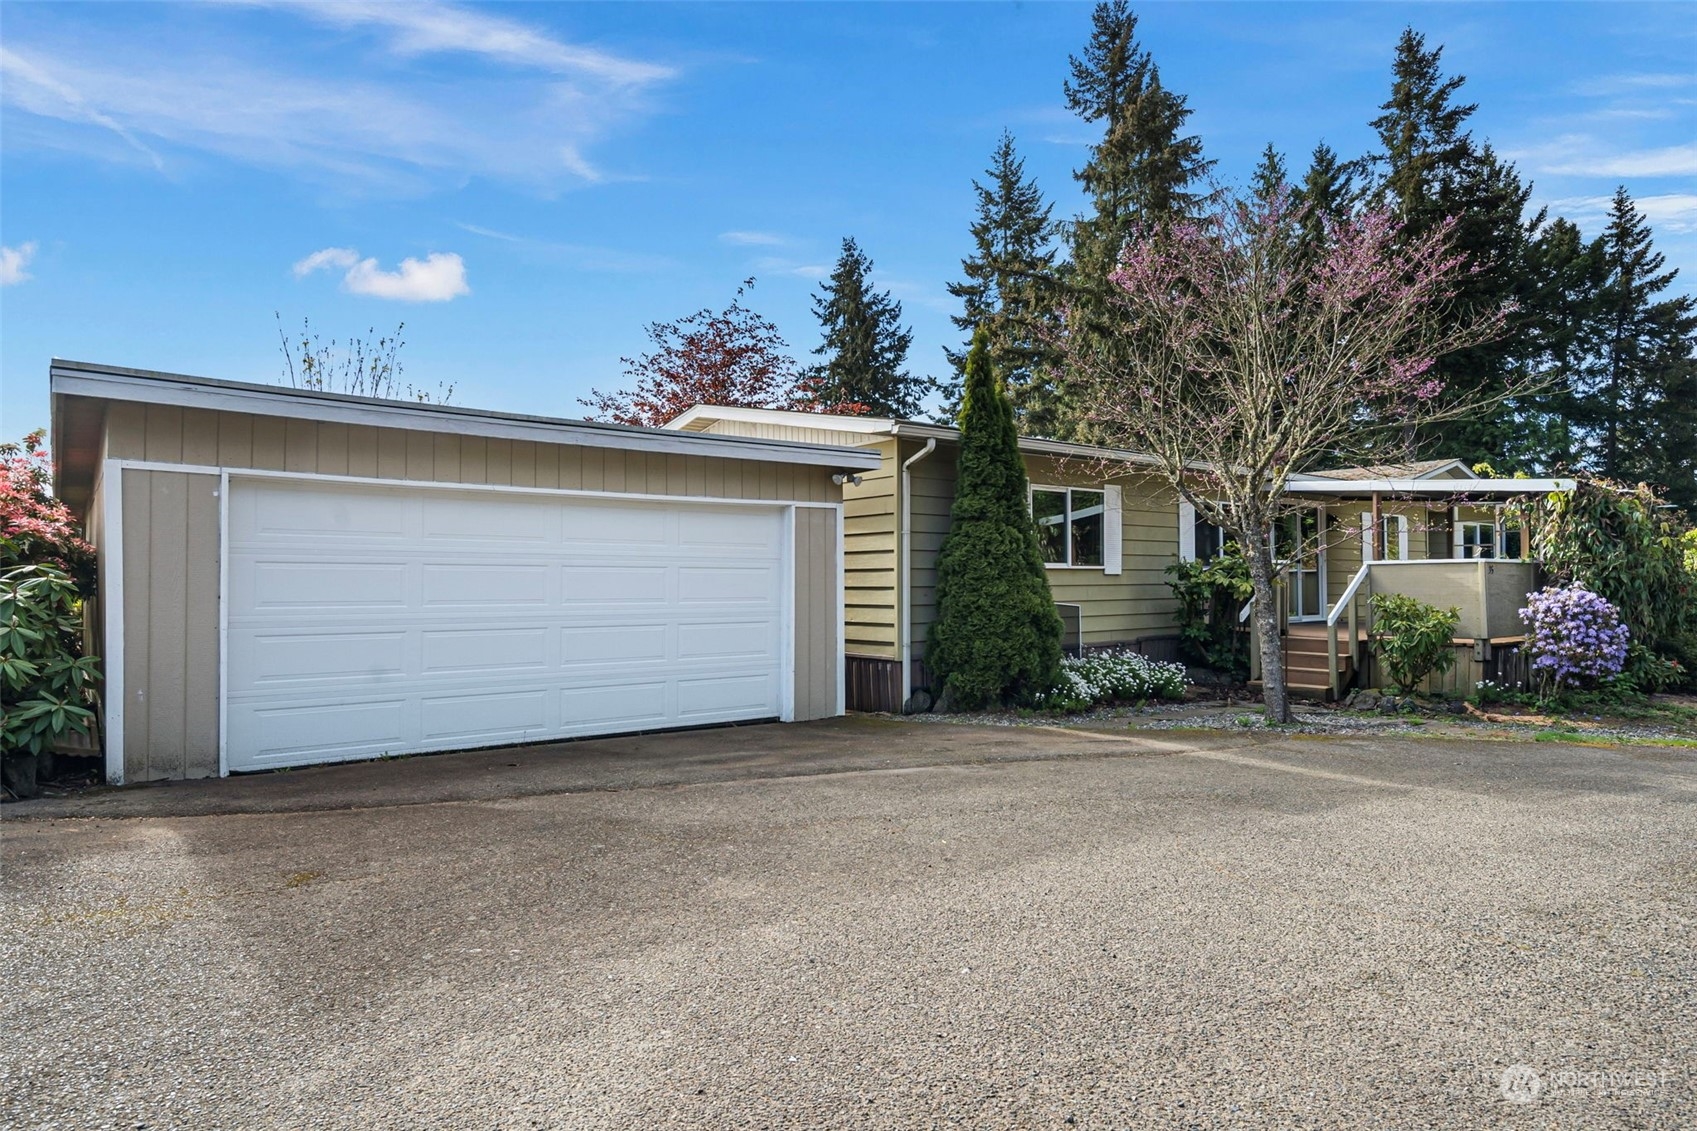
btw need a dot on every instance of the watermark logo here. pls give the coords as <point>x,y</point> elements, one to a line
<point>1520,1084</point>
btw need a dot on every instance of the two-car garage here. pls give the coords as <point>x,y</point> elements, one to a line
<point>292,577</point>
<point>365,620</point>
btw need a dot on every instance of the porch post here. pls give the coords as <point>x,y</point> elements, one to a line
<point>1378,530</point>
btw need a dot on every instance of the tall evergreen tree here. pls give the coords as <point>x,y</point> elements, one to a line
<point>1327,193</point>
<point>865,345</point>
<point>997,636</point>
<point>1145,168</point>
<point>1009,290</point>
<point>1642,406</point>
<point>1430,171</point>
<point>1270,175</point>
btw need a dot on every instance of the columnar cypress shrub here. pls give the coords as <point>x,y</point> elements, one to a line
<point>997,636</point>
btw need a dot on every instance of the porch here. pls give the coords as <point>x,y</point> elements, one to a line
<point>1325,658</point>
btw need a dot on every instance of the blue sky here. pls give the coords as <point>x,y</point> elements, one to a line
<point>528,185</point>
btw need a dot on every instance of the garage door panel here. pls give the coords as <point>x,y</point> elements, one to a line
<point>754,584</point>
<point>298,585</point>
<point>622,705</point>
<point>292,657</point>
<point>282,516</point>
<point>727,640</point>
<point>610,529</point>
<point>450,586</point>
<point>585,584</point>
<point>719,695</point>
<point>751,531</point>
<point>459,651</point>
<point>492,715</point>
<point>508,520</point>
<point>280,734</point>
<point>490,618</point>
<point>613,643</point>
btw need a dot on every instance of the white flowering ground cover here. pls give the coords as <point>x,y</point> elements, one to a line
<point>1113,677</point>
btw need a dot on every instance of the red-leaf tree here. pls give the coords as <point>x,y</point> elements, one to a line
<point>733,358</point>
<point>1241,352</point>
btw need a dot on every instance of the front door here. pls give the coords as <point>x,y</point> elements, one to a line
<point>1298,543</point>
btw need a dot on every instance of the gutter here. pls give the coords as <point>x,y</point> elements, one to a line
<point>904,570</point>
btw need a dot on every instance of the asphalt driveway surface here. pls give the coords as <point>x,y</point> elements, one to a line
<point>866,923</point>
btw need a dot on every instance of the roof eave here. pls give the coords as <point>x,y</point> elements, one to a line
<point>82,379</point>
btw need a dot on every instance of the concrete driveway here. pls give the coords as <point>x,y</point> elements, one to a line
<point>868,923</point>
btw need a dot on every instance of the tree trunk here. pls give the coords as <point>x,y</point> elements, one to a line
<point>1273,690</point>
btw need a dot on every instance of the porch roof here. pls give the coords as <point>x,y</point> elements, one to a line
<point>1429,488</point>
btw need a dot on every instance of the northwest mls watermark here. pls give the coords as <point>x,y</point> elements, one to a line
<point>1524,1084</point>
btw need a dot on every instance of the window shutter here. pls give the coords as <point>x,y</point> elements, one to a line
<point>1402,537</point>
<point>1366,536</point>
<point>1186,531</point>
<point>1112,542</point>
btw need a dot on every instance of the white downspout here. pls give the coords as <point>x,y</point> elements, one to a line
<point>904,605</point>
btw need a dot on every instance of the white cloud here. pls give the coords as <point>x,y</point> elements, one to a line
<point>1583,155</point>
<point>753,239</point>
<point>531,111</point>
<point>330,257</point>
<point>1669,212</point>
<point>437,277</point>
<point>13,261</point>
<point>427,28</point>
<point>775,265</point>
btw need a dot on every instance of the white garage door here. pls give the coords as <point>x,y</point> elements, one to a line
<point>365,620</point>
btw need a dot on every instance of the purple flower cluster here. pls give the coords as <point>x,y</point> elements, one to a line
<point>1575,637</point>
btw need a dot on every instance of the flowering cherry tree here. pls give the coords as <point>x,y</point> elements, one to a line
<point>734,358</point>
<point>1239,351</point>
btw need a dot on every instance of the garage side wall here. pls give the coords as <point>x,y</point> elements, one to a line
<point>818,656</point>
<point>170,590</point>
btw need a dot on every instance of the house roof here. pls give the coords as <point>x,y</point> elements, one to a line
<point>76,379</point>
<point>867,429</point>
<point>1416,469</point>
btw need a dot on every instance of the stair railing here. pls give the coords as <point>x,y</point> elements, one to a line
<point>1346,607</point>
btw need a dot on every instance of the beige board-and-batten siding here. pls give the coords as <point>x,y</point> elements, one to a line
<point>170,545</point>
<point>1132,606</point>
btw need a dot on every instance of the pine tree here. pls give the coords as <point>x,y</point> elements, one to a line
<point>1144,170</point>
<point>1270,176</point>
<point>1009,290</point>
<point>1564,275</point>
<point>997,636</point>
<point>1429,172</point>
<point>1642,409</point>
<point>865,345</point>
<point>1327,193</point>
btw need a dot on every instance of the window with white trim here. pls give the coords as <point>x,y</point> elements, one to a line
<point>1070,525</point>
<point>1478,540</point>
<point>1210,540</point>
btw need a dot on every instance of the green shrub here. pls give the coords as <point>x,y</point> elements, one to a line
<point>1412,639</point>
<point>1209,596</point>
<point>1626,545</point>
<point>997,636</point>
<point>47,680</point>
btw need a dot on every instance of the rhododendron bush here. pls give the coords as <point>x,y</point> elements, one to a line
<point>35,527</point>
<point>46,569</point>
<point>1576,638</point>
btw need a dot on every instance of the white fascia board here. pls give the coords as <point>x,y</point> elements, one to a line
<point>825,421</point>
<point>1029,444</point>
<point>81,380</point>
<point>1443,488</point>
